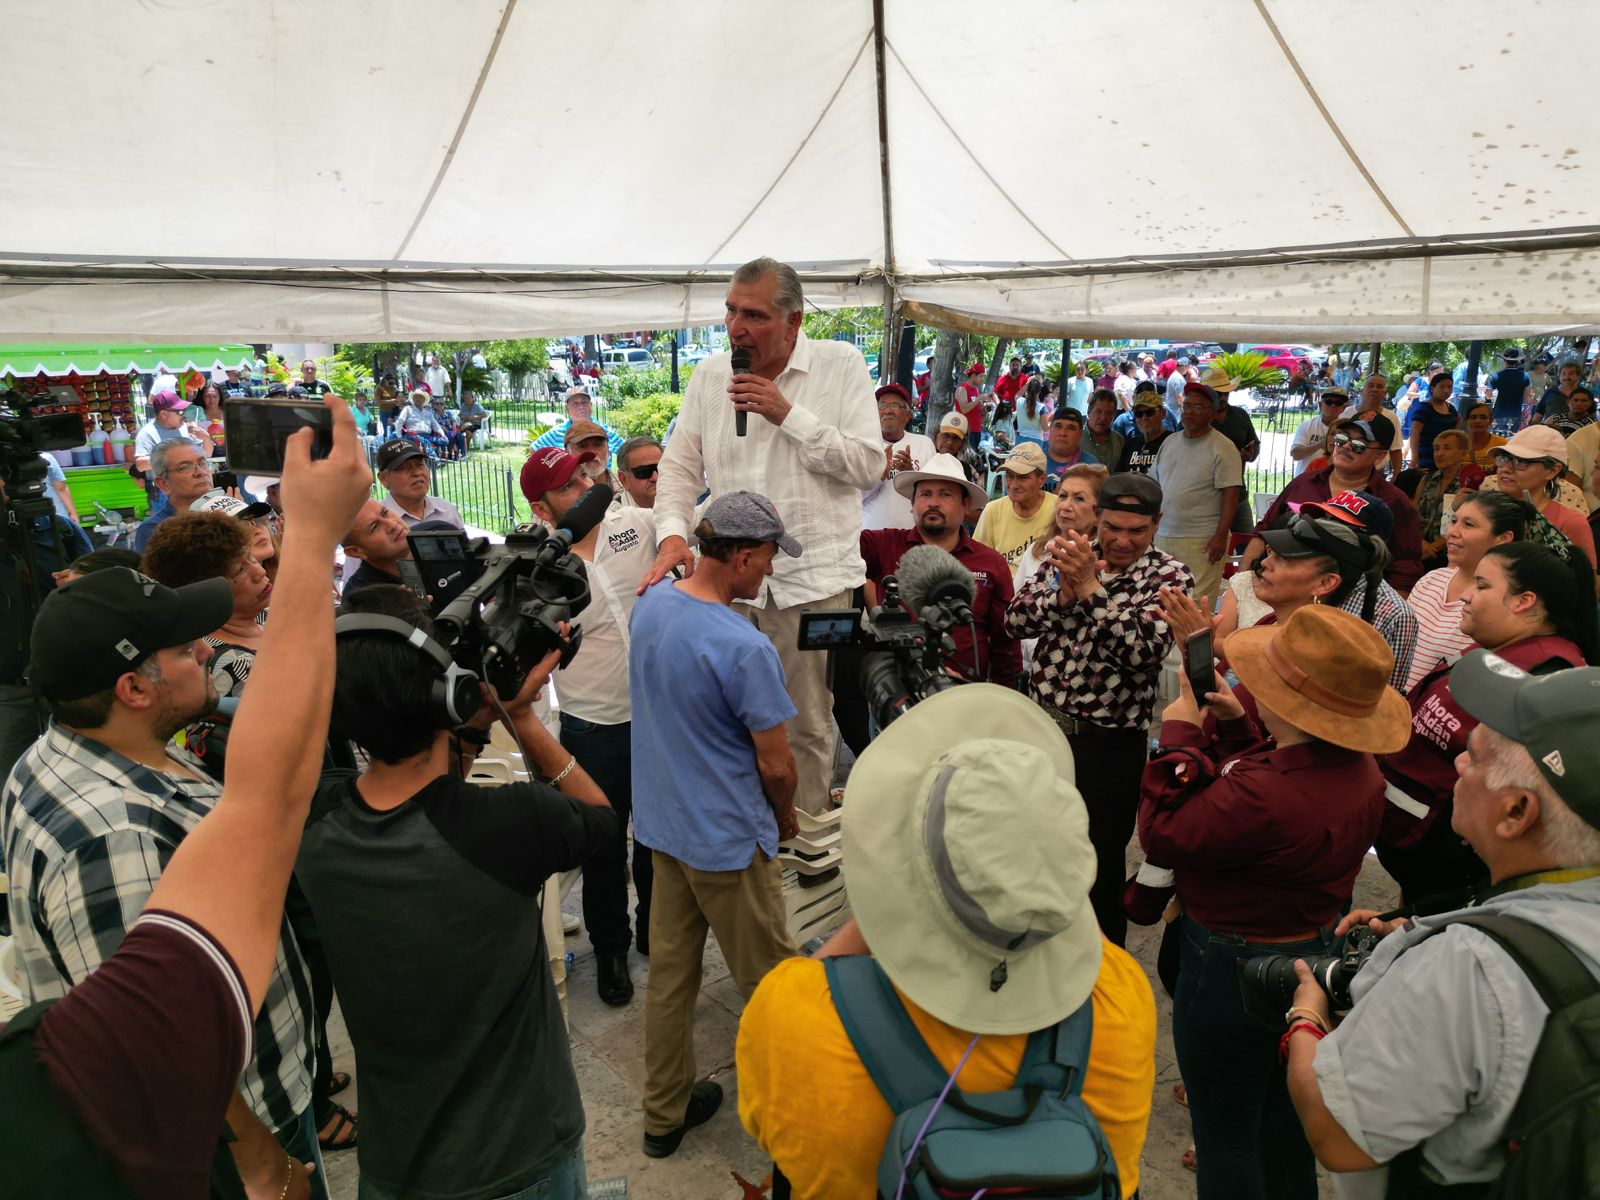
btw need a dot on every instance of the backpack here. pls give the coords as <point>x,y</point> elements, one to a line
<point>1037,1138</point>
<point>1552,1139</point>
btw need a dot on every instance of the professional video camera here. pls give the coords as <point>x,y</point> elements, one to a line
<point>907,637</point>
<point>1272,975</point>
<point>498,610</point>
<point>25,435</point>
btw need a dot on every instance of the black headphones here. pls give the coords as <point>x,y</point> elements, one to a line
<point>454,694</point>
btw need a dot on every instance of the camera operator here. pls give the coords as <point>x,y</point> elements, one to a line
<point>714,782</point>
<point>378,540</point>
<point>1427,1069</point>
<point>416,876</point>
<point>596,711</point>
<point>1266,838</point>
<point>1094,606</point>
<point>118,1087</point>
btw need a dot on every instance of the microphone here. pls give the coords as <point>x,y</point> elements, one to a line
<point>930,577</point>
<point>741,364</point>
<point>576,523</point>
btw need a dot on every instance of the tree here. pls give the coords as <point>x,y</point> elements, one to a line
<point>518,358</point>
<point>941,371</point>
<point>995,359</point>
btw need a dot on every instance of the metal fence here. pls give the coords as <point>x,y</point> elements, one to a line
<point>482,488</point>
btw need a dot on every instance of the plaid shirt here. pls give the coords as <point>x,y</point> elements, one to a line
<point>1100,660</point>
<point>86,833</point>
<point>1392,617</point>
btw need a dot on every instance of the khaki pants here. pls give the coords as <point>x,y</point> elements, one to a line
<point>745,910</point>
<point>1207,574</point>
<point>806,671</point>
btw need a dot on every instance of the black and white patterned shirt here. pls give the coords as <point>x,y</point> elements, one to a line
<point>1099,660</point>
<point>86,833</point>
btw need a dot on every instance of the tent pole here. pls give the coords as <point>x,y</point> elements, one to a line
<point>891,326</point>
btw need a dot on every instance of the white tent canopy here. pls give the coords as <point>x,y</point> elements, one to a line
<point>374,170</point>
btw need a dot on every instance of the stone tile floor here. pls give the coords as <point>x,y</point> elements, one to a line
<point>717,1161</point>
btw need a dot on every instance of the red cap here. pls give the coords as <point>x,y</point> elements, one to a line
<point>976,368</point>
<point>893,389</point>
<point>549,469</point>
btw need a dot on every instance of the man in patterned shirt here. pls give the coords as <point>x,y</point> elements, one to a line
<point>96,808</point>
<point>1095,608</point>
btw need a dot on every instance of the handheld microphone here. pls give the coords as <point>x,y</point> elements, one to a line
<point>741,365</point>
<point>930,577</point>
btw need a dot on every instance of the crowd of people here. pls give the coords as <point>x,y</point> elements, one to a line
<point>251,794</point>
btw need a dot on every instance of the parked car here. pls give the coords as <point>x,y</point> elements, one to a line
<point>634,358</point>
<point>1286,358</point>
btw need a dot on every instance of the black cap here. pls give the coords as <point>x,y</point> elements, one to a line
<point>1309,535</point>
<point>1376,429</point>
<point>92,631</point>
<point>277,389</point>
<point>396,451</point>
<point>1552,716</point>
<point>1131,492</point>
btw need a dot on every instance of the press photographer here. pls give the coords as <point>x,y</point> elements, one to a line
<point>416,876</point>
<point>1452,1070</point>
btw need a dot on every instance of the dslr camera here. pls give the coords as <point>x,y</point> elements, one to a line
<point>1272,975</point>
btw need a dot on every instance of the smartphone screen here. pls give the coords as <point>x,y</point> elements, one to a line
<point>1198,665</point>
<point>255,432</point>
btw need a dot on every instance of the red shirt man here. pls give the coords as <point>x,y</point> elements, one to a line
<point>1009,384</point>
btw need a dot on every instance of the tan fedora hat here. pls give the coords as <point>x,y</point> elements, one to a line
<point>1326,672</point>
<point>1219,380</point>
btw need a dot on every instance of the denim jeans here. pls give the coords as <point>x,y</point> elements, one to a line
<point>605,752</point>
<point>1247,1136</point>
<point>563,1179</point>
<point>300,1140</point>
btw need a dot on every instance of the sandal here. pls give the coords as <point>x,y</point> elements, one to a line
<point>1179,1093</point>
<point>340,1131</point>
<point>341,1080</point>
<point>1190,1159</point>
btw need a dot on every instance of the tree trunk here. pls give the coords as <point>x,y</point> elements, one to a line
<point>942,384</point>
<point>1001,345</point>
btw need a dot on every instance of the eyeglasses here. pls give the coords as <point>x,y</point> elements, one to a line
<point>198,467</point>
<point>1197,406</point>
<point>1339,400</point>
<point>1141,413</point>
<point>1343,441</point>
<point>1501,459</point>
<point>647,471</point>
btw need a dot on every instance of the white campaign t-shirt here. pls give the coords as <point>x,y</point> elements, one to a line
<point>884,508</point>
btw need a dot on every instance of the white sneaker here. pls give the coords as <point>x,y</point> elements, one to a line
<point>570,925</point>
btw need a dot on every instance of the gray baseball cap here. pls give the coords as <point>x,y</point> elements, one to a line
<point>746,515</point>
<point>1552,716</point>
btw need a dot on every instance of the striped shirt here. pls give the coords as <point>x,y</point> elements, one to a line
<point>1439,637</point>
<point>557,437</point>
<point>86,833</point>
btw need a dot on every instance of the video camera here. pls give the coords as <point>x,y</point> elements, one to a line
<point>24,435</point>
<point>907,636</point>
<point>1273,977</point>
<point>498,610</point>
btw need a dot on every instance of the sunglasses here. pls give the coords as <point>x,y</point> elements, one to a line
<point>1341,401</point>
<point>1342,441</point>
<point>645,472</point>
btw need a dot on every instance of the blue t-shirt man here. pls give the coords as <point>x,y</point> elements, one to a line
<point>702,679</point>
<point>1510,385</point>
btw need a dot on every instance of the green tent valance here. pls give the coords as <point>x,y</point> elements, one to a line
<point>26,361</point>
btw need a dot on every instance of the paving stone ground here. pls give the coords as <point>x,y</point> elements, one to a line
<point>717,1161</point>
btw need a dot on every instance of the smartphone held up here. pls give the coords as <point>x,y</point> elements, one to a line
<point>256,431</point>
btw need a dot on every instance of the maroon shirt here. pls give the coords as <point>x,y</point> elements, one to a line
<point>1426,769</point>
<point>1264,842</point>
<point>147,1051</point>
<point>1405,542</point>
<point>1002,657</point>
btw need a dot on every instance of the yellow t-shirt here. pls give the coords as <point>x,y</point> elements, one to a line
<point>810,1104</point>
<point>1001,529</point>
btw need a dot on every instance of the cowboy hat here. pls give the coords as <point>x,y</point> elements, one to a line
<point>968,862</point>
<point>944,468</point>
<point>1325,672</point>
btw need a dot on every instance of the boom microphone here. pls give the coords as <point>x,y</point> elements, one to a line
<point>576,523</point>
<point>930,577</point>
<point>741,366</point>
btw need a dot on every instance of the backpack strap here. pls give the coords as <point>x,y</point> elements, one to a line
<point>902,1067</point>
<point>1557,974</point>
<point>1065,1046</point>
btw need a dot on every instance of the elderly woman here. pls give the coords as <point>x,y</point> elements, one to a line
<point>1480,521</point>
<point>1535,611</point>
<point>1077,509</point>
<point>1529,467</point>
<point>1450,474</point>
<point>1265,824</point>
<point>455,440</point>
<point>417,423</point>
<point>1479,423</point>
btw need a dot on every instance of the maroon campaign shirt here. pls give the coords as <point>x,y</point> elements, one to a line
<point>1405,543</point>
<point>1426,769</point>
<point>1264,842</point>
<point>883,548</point>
